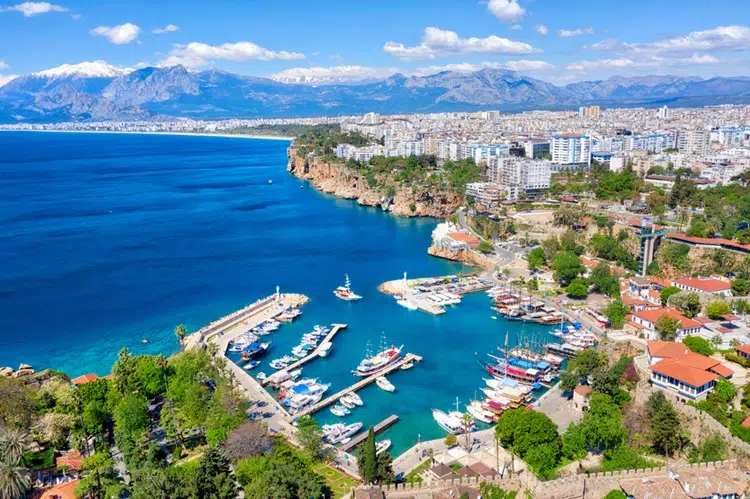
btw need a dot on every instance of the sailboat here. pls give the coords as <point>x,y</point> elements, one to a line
<point>345,292</point>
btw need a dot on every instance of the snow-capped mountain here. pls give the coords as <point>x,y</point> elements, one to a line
<point>339,75</point>
<point>92,69</point>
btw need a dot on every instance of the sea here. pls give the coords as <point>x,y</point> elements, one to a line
<point>108,239</point>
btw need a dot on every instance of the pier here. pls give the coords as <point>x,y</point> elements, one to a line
<point>315,353</point>
<point>410,357</point>
<point>380,427</point>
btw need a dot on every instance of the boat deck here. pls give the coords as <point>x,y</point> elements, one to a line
<point>380,427</point>
<point>314,354</point>
<point>409,357</point>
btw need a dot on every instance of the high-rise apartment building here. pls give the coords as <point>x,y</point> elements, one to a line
<point>588,112</point>
<point>693,141</point>
<point>528,176</point>
<point>570,150</point>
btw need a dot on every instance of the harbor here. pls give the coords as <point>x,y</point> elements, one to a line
<point>434,294</point>
<point>377,429</point>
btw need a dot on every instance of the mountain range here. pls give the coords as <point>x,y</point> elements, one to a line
<point>97,91</point>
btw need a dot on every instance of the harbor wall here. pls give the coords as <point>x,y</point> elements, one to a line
<point>573,487</point>
<point>347,183</point>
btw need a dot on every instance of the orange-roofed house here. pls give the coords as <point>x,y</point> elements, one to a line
<point>71,460</point>
<point>743,351</point>
<point>85,378</point>
<point>710,285</point>
<point>688,375</point>
<point>647,319</point>
<point>462,237</point>
<point>60,491</point>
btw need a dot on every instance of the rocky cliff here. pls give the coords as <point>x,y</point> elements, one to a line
<point>343,182</point>
<point>467,256</point>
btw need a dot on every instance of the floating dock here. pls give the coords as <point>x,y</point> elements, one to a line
<point>410,357</point>
<point>380,427</point>
<point>315,353</point>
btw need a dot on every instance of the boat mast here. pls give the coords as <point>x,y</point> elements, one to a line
<point>506,354</point>
<point>347,283</point>
<point>383,343</point>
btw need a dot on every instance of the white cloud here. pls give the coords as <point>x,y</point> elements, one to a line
<point>169,28</point>
<point>5,79</point>
<point>541,29</point>
<point>437,42</point>
<point>31,9</point>
<point>568,33</point>
<point>197,54</point>
<point>507,11</point>
<point>3,65</point>
<point>75,16</point>
<point>516,27</point>
<point>119,35</point>
<point>733,38</point>
<point>653,61</point>
<point>353,73</point>
<point>467,67</point>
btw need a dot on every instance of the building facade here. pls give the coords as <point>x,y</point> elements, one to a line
<point>570,150</point>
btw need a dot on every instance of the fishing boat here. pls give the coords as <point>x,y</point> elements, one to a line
<point>281,363</point>
<point>289,315</point>
<point>382,446</point>
<point>340,411</point>
<point>446,422</point>
<point>373,364</point>
<point>252,365</point>
<point>345,292</point>
<point>254,349</point>
<point>353,398</point>
<point>384,384</point>
<point>479,413</point>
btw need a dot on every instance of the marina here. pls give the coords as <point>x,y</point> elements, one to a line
<point>433,294</point>
<point>322,348</point>
<point>378,428</point>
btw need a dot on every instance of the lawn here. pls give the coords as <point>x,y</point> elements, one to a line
<point>338,481</point>
<point>413,475</point>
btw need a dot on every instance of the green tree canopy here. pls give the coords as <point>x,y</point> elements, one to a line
<point>698,345</point>
<point>577,288</point>
<point>667,292</point>
<point>716,309</point>
<point>567,266</point>
<point>667,327</point>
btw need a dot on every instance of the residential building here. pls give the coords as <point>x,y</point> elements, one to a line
<point>485,193</point>
<point>728,329</point>
<point>693,141</point>
<point>743,351</point>
<point>581,396</point>
<point>588,112</point>
<point>663,113</point>
<point>713,285</point>
<point>536,149</point>
<point>686,374</point>
<point>570,150</point>
<point>666,182</point>
<point>528,176</point>
<point>646,320</point>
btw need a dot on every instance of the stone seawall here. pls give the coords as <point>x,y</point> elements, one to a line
<point>343,182</point>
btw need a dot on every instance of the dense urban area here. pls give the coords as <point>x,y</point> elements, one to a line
<point>627,230</point>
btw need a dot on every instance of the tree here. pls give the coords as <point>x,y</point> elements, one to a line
<point>99,479</point>
<point>603,380</point>
<point>725,390</point>
<point>667,327</point>
<point>713,449</point>
<point>181,331</point>
<point>664,424</point>
<point>667,292</point>
<point>615,494</point>
<point>568,382</point>
<point>17,403</point>
<point>450,440</point>
<point>577,289</point>
<point>131,418</point>
<point>602,424</point>
<point>716,341</point>
<point>14,480</point>
<point>310,436</point>
<point>520,430</point>
<point>543,458</point>
<point>574,442</point>
<point>616,312</point>
<point>248,439</point>
<point>567,267</point>
<point>368,461</point>
<point>698,345</point>
<point>385,468</point>
<point>604,282</point>
<point>740,287</point>
<point>586,361</point>
<point>688,303</point>
<point>214,478</point>
<point>717,309</point>
<point>13,443</point>
<point>537,258</point>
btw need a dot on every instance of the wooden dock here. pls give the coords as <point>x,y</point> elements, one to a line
<point>314,354</point>
<point>410,357</point>
<point>380,427</point>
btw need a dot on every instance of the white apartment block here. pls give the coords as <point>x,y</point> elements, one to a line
<point>528,176</point>
<point>570,150</point>
<point>483,154</point>
<point>485,193</point>
<point>693,141</point>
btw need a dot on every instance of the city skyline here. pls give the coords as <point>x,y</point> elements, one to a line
<point>553,42</point>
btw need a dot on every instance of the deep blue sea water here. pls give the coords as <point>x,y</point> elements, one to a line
<point>106,239</point>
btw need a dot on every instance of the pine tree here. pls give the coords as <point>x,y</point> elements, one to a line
<point>370,459</point>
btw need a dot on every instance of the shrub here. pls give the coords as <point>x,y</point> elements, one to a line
<point>698,345</point>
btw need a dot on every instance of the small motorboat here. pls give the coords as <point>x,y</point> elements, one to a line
<point>346,403</point>
<point>353,398</point>
<point>494,317</point>
<point>382,446</point>
<point>252,365</point>
<point>260,376</point>
<point>407,365</point>
<point>384,384</point>
<point>270,181</point>
<point>340,411</point>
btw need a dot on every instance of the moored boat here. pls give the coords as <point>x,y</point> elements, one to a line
<point>373,364</point>
<point>382,446</point>
<point>384,384</point>
<point>345,292</point>
<point>446,422</point>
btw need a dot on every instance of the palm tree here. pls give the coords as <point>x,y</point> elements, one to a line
<point>181,332</point>
<point>14,480</point>
<point>12,445</point>
<point>467,419</point>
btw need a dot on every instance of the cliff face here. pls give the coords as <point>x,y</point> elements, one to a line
<point>466,256</point>
<point>343,182</point>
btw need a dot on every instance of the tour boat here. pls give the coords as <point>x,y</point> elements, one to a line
<point>382,446</point>
<point>446,422</point>
<point>479,413</point>
<point>289,315</point>
<point>252,365</point>
<point>385,384</point>
<point>345,292</point>
<point>254,349</point>
<point>373,364</point>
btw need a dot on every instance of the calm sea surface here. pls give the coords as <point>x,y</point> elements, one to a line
<point>108,239</point>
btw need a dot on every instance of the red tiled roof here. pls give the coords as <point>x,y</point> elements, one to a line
<point>588,262</point>
<point>722,370</point>
<point>653,315</point>
<point>743,348</point>
<point>72,460</point>
<point>63,491</point>
<point>675,368</point>
<point>746,422</point>
<point>631,301</point>
<point>705,285</point>
<point>583,390</point>
<point>464,238</point>
<point>706,240</point>
<point>730,317</point>
<point>704,319</point>
<point>86,378</point>
<point>666,349</point>
<point>664,283</point>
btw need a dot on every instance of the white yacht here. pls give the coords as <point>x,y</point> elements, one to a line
<point>446,422</point>
<point>384,384</point>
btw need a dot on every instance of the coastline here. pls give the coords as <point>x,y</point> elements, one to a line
<point>187,134</point>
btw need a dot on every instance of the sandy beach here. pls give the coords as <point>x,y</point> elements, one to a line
<point>198,134</point>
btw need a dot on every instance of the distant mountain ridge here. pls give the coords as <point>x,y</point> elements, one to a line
<point>97,91</point>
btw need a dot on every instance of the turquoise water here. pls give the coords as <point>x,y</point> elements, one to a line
<point>109,239</point>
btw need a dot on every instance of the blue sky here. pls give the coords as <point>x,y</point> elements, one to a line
<point>554,40</point>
